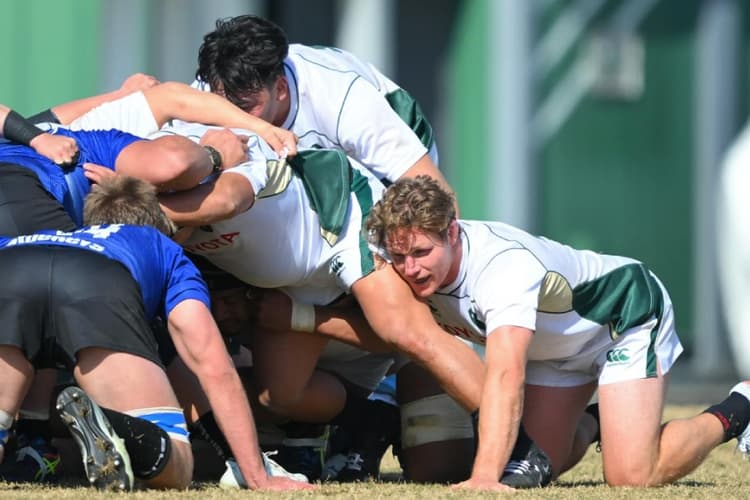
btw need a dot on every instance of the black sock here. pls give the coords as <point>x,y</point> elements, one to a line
<point>733,413</point>
<point>593,410</point>
<point>207,429</point>
<point>148,445</point>
<point>34,427</point>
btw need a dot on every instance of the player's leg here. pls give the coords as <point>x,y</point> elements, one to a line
<point>552,416</point>
<point>135,393</point>
<point>286,380</point>
<point>16,372</point>
<point>103,332</point>
<point>437,435</point>
<point>26,207</point>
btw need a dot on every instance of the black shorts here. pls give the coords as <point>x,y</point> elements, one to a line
<point>55,301</point>
<point>25,206</point>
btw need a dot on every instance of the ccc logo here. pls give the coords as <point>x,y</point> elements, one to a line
<point>617,355</point>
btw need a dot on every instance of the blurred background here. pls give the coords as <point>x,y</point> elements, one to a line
<point>599,123</point>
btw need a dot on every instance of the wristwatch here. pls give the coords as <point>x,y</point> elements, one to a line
<point>215,157</point>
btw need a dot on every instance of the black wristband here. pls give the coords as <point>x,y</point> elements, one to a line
<point>19,129</point>
<point>215,157</point>
<point>47,116</point>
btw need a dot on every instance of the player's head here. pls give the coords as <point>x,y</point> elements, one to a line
<point>126,200</point>
<point>229,297</point>
<point>415,223</point>
<point>243,60</point>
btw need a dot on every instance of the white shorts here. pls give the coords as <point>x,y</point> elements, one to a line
<point>641,352</point>
<point>359,367</point>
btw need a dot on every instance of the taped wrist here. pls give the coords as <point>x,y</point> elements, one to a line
<point>303,317</point>
<point>19,129</point>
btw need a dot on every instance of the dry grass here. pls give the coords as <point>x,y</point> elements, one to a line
<point>723,475</point>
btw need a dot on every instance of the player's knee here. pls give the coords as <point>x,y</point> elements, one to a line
<point>630,475</point>
<point>178,471</point>
<point>437,440</point>
<point>279,402</point>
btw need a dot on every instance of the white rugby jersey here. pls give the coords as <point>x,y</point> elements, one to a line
<point>338,101</point>
<point>574,300</point>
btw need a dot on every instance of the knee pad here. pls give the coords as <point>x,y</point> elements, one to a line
<point>170,420</point>
<point>434,419</point>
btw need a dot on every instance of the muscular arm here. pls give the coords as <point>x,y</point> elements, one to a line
<point>177,100</point>
<point>199,344</point>
<point>501,405</point>
<point>229,195</point>
<point>343,321</point>
<point>170,162</point>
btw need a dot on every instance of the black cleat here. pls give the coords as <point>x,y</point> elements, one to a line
<point>533,470</point>
<point>105,458</point>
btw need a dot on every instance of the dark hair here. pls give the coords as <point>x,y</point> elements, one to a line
<point>126,200</point>
<point>243,55</point>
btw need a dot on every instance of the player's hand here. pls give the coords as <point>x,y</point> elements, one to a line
<point>283,141</point>
<point>138,81</point>
<point>97,173</point>
<point>58,148</point>
<point>482,485</point>
<point>283,484</point>
<point>231,146</point>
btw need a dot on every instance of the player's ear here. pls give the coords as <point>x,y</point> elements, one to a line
<point>453,232</point>
<point>282,88</point>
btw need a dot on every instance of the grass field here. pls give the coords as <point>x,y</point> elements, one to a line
<point>723,476</point>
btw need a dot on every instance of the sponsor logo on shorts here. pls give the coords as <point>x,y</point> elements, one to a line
<point>618,356</point>
<point>337,266</point>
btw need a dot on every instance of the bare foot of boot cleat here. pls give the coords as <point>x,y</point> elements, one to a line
<point>105,458</point>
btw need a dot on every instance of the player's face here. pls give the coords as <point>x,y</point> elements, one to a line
<point>424,260</point>
<point>230,311</point>
<point>269,103</point>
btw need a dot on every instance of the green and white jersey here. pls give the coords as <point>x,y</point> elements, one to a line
<point>576,301</point>
<point>341,102</point>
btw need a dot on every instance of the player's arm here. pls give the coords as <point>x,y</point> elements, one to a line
<point>176,163</point>
<point>172,100</point>
<point>383,142</point>
<point>343,320</point>
<point>69,111</point>
<point>501,404</point>
<point>229,195</point>
<point>200,346</point>
<point>16,128</point>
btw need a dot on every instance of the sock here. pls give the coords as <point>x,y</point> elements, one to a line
<point>33,427</point>
<point>733,413</point>
<point>148,445</point>
<point>208,430</point>
<point>593,410</point>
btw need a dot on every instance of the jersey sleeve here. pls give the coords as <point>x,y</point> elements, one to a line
<point>372,133</point>
<point>255,171</point>
<point>184,281</point>
<point>129,114</point>
<point>103,146</point>
<point>507,290</point>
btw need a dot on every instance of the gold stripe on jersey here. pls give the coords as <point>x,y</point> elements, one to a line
<point>279,177</point>
<point>555,294</point>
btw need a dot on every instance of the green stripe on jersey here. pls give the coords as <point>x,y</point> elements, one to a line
<point>625,297</point>
<point>362,190</point>
<point>408,109</point>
